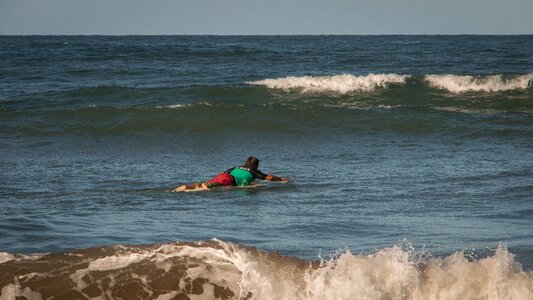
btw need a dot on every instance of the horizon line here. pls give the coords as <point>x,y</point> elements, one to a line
<point>304,34</point>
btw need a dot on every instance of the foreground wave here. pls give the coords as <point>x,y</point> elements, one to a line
<point>221,270</point>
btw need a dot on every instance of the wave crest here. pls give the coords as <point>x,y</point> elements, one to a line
<point>395,273</point>
<point>338,83</point>
<point>487,83</point>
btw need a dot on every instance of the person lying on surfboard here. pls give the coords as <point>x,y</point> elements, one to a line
<point>237,176</point>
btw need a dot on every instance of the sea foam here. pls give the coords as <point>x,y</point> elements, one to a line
<point>4,256</point>
<point>338,83</point>
<point>481,83</point>
<point>217,269</point>
<point>390,273</point>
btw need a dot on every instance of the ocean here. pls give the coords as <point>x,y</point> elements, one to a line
<point>410,161</point>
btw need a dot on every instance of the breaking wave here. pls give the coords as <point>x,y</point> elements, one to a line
<point>216,269</point>
<point>347,83</point>
<point>487,83</point>
<point>338,83</point>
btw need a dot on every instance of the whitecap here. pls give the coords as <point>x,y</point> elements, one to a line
<point>173,106</point>
<point>481,83</point>
<point>344,83</point>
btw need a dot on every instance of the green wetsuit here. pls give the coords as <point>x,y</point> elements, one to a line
<point>244,176</point>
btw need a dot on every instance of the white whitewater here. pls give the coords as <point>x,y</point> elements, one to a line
<point>486,83</point>
<point>344,83</point>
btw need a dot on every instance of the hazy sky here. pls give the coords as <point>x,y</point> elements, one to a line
<point>266,16</point>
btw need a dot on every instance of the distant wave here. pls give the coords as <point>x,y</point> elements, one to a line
<point>217,269</point>
<point>484,111</point>
<point>338,83</point>
<point>347,83</point>
<point>173,106</point>
<point>482,83</point>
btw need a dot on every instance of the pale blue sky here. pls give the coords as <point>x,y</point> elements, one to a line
<point>266,17</point>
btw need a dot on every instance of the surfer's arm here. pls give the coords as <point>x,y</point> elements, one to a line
<point>275,178</point>
<point>263,176</point>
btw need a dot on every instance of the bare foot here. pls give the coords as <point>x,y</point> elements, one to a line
<point>180,189</point>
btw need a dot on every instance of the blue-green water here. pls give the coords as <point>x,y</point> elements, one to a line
<point>421,138</point>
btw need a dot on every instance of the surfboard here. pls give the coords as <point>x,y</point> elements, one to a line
<point>225,188</point>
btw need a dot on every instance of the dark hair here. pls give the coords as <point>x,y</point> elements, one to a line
<point>252,163</point>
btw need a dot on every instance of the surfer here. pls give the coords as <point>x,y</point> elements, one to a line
<point>236,176</point>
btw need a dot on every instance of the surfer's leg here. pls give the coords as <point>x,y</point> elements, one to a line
<point>186,187</point>
<point>221,179</point>
<point>180,188</point>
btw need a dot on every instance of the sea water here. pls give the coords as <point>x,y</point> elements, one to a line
<point>410,159</point>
